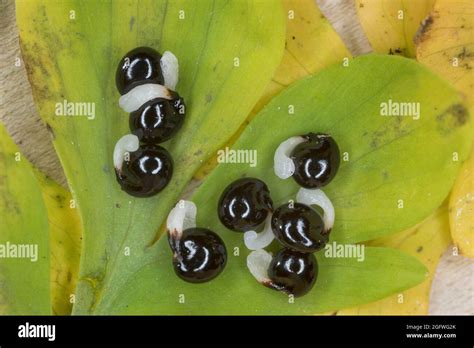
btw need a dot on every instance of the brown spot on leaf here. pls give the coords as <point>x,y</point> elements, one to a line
<point>454,116</point>
<point>424,28</point>
<point>419,249</point>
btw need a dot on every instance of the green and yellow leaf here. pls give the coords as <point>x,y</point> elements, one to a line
<point>391,25</point>
<point>24,236</point>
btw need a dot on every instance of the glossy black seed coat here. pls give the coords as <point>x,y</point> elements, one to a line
<point>299,227</point>
<point>244,204</point>
<point>157,120</point>
<point>147,172</point>
<point>293,272</point>
<point>199,255</point>
<point>139,66</point>
<point>316,160</point>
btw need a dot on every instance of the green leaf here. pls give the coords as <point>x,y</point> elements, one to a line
<point>71,50</point>
<point>24,236</point>
<point>398,169</point>
<point>342,282</point>
<point>390,158</point>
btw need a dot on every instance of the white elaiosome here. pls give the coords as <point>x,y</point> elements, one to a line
<point>255,241</point>
<point>318,197</point>
<point>127,143</point>
<point>258,262</point>
<point>282,163</point>
<point>181,217</point>
<point>170,69</point>
<point>141,94</point>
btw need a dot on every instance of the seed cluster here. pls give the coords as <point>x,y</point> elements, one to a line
<point>245,205</point>
<point>146,81</point>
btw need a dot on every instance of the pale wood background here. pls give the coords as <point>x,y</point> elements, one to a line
<point>453,287</point>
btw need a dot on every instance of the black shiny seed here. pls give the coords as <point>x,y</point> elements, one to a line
<point>299,227</point>
<point>244,204</point>
<point>157,120</point>
<point>316,160</point>
<point>139,66</point>
<point>147,172</point>
<point>199,255</point>
<point>293,272</point>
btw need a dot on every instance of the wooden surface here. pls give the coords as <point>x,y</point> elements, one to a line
<point>453,287</point>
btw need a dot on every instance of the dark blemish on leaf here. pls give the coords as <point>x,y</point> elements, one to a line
<point>397,50</point>
<point>385,175</point>
<point>106,169</point>
<point>117,205</point>
<point>465,55</point>
<point>293,37</point>
<point>197,153</point>
<point>60,199</point>
<point>361,5</point>
<point>420,35</point>
<point>208,98</point>
<point>393,128</point>
<point>214,68</point>
<point>132,22</point>
<point>69,276</point>
<point>420,249</point>
<point>454,116</point>
<point>50,130</point>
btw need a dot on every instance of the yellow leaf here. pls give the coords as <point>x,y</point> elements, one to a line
<point>461,210</point>
<point>390,25</point>
<point>311,45</point>
<point>445,44</point>
<point>65,243</point>
<point>426,241</point>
